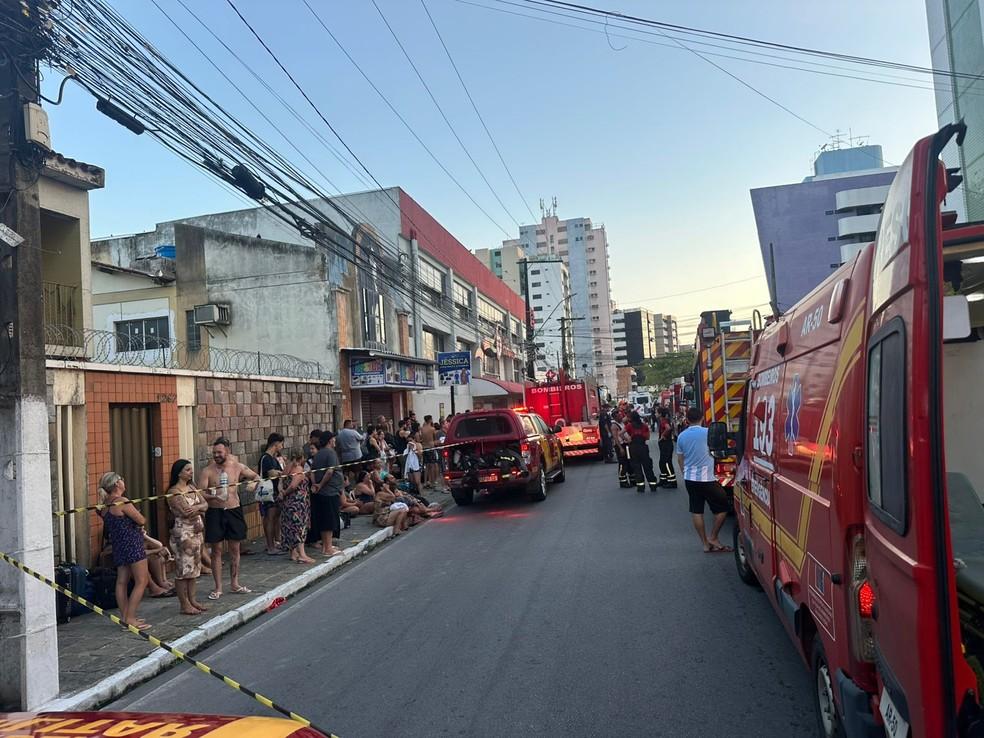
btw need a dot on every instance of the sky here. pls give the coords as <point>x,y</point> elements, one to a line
<point>652,141</point>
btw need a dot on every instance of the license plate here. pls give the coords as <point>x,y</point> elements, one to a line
<point>895,726</point>
<point>488,478</point>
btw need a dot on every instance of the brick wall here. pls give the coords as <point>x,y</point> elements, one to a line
<point>158,391</point>
<point>246,411</point>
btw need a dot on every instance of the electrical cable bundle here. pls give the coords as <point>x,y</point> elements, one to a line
<point>140,88</point>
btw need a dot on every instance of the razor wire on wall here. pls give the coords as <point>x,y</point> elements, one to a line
<point>153,352</point>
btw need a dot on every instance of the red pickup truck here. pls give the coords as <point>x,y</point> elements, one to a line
<point>493,450</point>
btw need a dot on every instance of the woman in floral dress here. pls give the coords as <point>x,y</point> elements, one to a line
<point>187,539</point>
<point>295,505</point>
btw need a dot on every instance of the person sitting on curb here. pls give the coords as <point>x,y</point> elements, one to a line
<point>389,512</point>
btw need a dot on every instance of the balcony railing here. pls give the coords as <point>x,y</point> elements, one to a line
<point>62,307</point>
<point>107,347</point>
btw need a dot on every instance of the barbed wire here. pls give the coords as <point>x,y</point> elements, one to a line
<point>152,352</point>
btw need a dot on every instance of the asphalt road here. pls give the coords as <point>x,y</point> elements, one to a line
<point>594,613</point>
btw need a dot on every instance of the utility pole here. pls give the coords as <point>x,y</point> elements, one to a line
<point>28,637</point>
<point>530,345</point>
<point>565,363</point>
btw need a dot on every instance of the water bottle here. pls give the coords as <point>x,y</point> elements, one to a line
<point>223,486</point>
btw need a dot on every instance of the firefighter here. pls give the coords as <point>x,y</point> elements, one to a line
<point>621,450</point>
<point>667,475</point>
<point>637,431</point>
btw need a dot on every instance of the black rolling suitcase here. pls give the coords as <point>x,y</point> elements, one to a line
<point>75,579</point>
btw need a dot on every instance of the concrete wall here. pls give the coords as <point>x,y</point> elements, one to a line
<point>795,219</point>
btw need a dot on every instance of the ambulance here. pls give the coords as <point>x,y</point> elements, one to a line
<point>859,491</point>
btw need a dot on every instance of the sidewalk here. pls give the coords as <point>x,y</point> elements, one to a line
<point>91,648</point>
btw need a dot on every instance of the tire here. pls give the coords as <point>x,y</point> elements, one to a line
<point>745,571</point>
<point>538,492</point>
<point>828,720</point>
<point>562,474</point>
<point>463,497</point>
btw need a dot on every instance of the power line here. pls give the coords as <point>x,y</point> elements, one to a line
<point>699,289</point>
<point>474,105</point>
<point>746,40</point>
<point>440,110</point>
<point>400,117</point>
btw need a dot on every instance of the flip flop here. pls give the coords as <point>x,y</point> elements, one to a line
<point>214,595</point>
<point>242,591</point>
<point>719,549</point>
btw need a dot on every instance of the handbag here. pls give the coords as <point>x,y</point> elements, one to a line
<point>264,491</point>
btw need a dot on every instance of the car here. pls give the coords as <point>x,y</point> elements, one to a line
<point>501,450</point>
<point>137,724</point>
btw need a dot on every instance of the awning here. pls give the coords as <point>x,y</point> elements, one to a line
<point>371,369</point>
<point>373,353</point>
<point>489,387</point>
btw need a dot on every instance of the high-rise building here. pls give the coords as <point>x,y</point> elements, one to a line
<point>956,43</point>
<point>641,335</point>
<point>505,263</point>
<point>583,247</point>
<point>550,292</point>
<point>808,229</point>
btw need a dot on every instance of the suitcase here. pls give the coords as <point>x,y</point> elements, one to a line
<point>75,579</point>
<point>102,581</point>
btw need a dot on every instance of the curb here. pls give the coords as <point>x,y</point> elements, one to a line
<point>153,664</point>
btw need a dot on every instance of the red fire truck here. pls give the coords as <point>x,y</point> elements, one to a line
<point>724,348</point>
<point>573,405</point>
<point>859,490</point>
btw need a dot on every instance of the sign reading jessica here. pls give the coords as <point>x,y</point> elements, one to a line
<point>454,367</point>
<point>392,373</point>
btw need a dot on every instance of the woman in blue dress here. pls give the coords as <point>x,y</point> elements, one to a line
<point>124,527</point>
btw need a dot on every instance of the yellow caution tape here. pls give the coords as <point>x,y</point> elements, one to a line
<point>104,506</point>
<point>265,701</point>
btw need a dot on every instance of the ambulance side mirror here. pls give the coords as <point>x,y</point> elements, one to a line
<point>717,438</point>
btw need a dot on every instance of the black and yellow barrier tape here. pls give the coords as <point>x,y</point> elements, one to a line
<point>246,483</point>
<point>228,681</point>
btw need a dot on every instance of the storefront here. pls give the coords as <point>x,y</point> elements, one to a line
<point>379,383</point>
<point>489,393</point>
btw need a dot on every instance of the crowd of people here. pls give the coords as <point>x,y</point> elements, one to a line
<point>305,496</point>
<point>625,441</point>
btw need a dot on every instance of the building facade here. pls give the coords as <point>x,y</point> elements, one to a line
<point>808,229</point>
<point>373,312</point>
<point>505,263</point>
<point>583,247</point>
<point>553,326</point>
<point>641,335</point>
<point>956,42</point>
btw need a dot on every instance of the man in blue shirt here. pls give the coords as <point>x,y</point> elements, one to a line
<point>694,458</point>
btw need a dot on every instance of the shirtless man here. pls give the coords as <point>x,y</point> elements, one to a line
<point>224,520</point>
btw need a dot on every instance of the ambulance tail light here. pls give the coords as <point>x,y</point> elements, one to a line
<point>863,602</point>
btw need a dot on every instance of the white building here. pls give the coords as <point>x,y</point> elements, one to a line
<point>584,249</point>
<point>550,292</point>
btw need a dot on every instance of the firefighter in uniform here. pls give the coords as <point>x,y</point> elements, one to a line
<point>621,453</point>
<point>637,431</point>
<point>667,475</point>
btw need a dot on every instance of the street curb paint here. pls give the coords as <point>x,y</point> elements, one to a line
<point>114,686</point>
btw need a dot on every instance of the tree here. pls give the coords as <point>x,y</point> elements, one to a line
<point>662,370</point>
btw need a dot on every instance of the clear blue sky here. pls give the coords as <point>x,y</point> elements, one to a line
<point>652,141</point>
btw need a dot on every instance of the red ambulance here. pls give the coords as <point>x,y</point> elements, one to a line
<point>859,491</point>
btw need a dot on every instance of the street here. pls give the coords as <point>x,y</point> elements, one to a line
<point>593,612</point>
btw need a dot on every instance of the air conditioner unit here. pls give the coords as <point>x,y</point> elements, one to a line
<point>211,315</point>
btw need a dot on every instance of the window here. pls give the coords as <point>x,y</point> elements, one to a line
<point>488,311</point>
<point>461,294</point>
<point>551,238</point>
<point>536,284</point>
<point>483,426</point>
<point>490,365</point>
<point>536,297</point>
<point>534,272</point>
<point>591,238</point>
<point>562,229</point>
<point>563,240</point>
<point>433,344</point>
<point>528,426</point>
<point>193,332</point>
<point>431,276</point>
<point>886,441</point>
<point>145,334</point>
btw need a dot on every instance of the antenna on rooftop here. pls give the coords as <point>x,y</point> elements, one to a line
<point>543,209</point>
<point>554,203</point>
